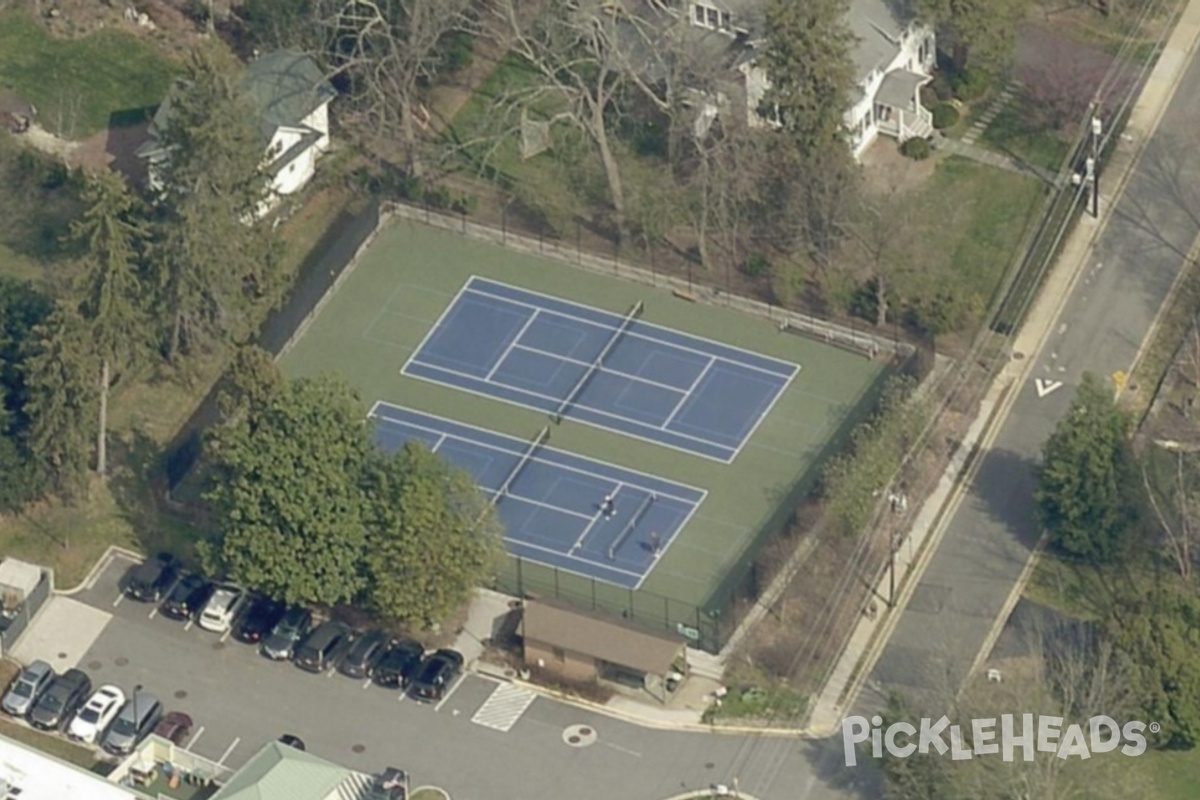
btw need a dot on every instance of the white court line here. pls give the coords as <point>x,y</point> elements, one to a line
<point>528,321</point>
<point>688,394</point>
<point>450,692</point>
<point>593,309</point>
<point>564,467</point>
<point>228,750</point>
<point>589,364</point>
<point>558,401</point>
<point>765,412</point>
<point>433,328</point>
<point>441,440</point>
<point>492,396</point>
<point>581,560</point>
<point>586,531</point>
<point>542,504</point>
<point>195,738</point>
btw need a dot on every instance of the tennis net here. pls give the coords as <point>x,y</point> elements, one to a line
<point>630,527</point>
<point>573,395</point>
<point>535,445</point>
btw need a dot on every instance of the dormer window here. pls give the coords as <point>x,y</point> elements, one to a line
<point>707,16</point>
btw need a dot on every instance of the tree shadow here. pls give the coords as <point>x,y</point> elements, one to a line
<point>827,760</point>
<point>1004,486</point>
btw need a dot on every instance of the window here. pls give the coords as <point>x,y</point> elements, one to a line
<point>726,20</point>
<point>708,16</point>
<point>699,13</point>
<point>714,17</point>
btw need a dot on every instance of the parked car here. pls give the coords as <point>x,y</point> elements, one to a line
<point>189,596</point>
<point>24,692</point>
<point>435,675</point>
<point>97,714</point>
<point>221,607</point>
<point>58,703</point>
<point>176,726</point>
<point>322,648</point>
<point>289,631</point>
<point>140,715</point>
<point>261,616</point>
<point>151,581</point>
<point>292,741</point>
<point>364,654</point>
<point>398,664</point>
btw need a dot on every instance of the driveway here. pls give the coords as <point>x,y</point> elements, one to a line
<point>483,741</point>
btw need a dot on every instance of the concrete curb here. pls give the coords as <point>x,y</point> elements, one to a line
<point>101,564</point>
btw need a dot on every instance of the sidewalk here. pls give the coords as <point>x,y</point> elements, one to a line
<point>869,637</point>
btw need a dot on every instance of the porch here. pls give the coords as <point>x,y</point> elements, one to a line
<point>898,109</point>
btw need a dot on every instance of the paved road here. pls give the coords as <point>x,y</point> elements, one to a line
<point>513,748</point>
<point>990,538</point>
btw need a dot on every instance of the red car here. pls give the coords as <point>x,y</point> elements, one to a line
<point>175,726</point>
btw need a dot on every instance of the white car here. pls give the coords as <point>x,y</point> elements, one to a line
<point>100,710</point>
<point>221,608</point>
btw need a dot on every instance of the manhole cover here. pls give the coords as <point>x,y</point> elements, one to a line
<point>358,748</point>
<point>579,736</point>
<point>179,695</point>
<point>94,665</point>
<point>62,655</point>
<point>709,765</point>
<point>121,661</point>
<point>218,645</point>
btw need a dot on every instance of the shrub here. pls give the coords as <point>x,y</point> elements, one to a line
<point>916,148</point>
<point>757,265</point>
<point>945,116</point>
<point>941,86</point>
<point>971,84</point>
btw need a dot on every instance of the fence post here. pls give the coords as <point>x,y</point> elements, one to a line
<point>593,594</point>
<point>557,595</point>
<point>520,578</point>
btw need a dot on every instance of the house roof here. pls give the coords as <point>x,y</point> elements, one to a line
<point>878,26</point>
<point>898,88</point>
<point>598,638</point>
<point>287,86</point>
<point>280,772</point>
<point>39,776</point>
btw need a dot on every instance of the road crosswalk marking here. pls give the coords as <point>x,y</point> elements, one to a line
<point>504,707</point>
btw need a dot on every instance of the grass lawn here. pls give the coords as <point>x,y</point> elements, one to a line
<point>1009,133</point>
<point>428,793</point>
<point>977,216</point>
<point>78,85</point>
<point>36,208</point>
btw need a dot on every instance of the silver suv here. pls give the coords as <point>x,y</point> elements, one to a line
<point>27,688</point>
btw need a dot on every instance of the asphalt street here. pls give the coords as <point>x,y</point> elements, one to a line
<point>240,701</point>
<point>989,539</point>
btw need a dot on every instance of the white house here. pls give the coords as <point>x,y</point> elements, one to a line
<point>291,98</point>
<point>893,57</point>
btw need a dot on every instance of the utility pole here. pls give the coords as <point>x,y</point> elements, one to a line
<point>1094,162</point>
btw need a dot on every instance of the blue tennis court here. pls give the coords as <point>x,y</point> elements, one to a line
<point>552,502</point>
<point>609,370</point>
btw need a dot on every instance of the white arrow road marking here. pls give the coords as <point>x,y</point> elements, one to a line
<point>1045,387</point>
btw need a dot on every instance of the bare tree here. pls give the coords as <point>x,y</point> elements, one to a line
<point>1177,511</point>
<point>388,49</point>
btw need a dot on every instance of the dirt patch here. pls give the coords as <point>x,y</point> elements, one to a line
<point>887,171</point>
<point>115,149</point>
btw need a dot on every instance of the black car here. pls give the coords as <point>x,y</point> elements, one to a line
<point>259,620</point>
<point>152,579</point>
<point>435,675</point>
<point>323,647</point>
<point>187,598</point>
<point>364,654</point>
<point>287,633</point>
<point>59,703</point>
<point>399,663</point>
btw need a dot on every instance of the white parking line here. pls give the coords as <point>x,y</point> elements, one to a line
<point>153,612</point>
<point>448,694</point>
<point>403,696</point>
<point>367,683</point>
<point>119,600</point>
<point>225,636</point>
<point>196,737</point>
<point>229,750</point>
<point>187,626</point>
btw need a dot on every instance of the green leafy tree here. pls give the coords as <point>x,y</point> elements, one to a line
<point>918,776</point>
<point>807,60</point>
<point>59,374</point>
<point>287,493</point>
<point>1087,493</point>
<point>211,261</point>
<point>982,33</point>
<point>433,536</point>
<point>1158,634</point>
<point>251,381</point>
<point>111,300</point>
<point>22,308</point>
